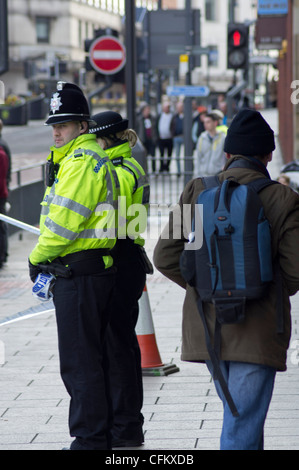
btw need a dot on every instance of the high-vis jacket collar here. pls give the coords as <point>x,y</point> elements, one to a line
<point>66,150</point>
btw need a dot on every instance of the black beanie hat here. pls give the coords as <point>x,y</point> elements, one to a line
<point>108,123</point>
<point>249,134</point>
<point>68,104</point>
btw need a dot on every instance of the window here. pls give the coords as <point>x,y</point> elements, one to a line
<point>80,33</point>
<point>213,56</point>
<point>43,29</point>
<point>211,10</point>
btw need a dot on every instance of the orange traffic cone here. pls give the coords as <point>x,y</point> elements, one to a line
<point>151,362</point>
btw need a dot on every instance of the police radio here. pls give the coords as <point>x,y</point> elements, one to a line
<point>51,171</point>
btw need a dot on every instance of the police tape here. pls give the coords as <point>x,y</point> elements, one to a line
<point>18,223</point>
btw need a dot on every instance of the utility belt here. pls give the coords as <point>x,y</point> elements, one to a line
<point>81,263</point>
<point>125,247</point>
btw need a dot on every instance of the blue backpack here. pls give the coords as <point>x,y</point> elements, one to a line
<point>234,263</point>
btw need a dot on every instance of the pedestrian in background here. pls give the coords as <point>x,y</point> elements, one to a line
<point>4,193</point>
<point>198,124</point>
<point>130,260</point>
<point>75,241</point>
<point>6,148</point>
<point>147,132</point>
<point>4,169</point>
<point>284,179</point>
<point>252,351</point>
<point>210,158</point>
<point>177,131</point>
<point>165,138</point>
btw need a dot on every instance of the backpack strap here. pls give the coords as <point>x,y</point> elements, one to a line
<point>210,181</point>
<point>258,185</point>
<point>261,183</point>
<point>215,361</point>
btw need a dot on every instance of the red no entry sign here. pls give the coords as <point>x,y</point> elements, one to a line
<point>107,55</point>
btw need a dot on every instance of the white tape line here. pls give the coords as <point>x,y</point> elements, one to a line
<point>26,317</point>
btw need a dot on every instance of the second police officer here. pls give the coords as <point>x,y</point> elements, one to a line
<point>132,265</point>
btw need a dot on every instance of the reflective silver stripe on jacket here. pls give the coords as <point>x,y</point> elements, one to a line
<point>68,204</point>
<point>111,197</point>
<point>133,167</point>
<point>59,230</point>
<point>87,233</point>
<point>72,205</point>
<point>98,233</point>
<point>142,179</point>
<point>50,197</point>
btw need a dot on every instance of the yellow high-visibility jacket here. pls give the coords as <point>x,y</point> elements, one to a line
<point>78,210</point>
<point>134,186</point>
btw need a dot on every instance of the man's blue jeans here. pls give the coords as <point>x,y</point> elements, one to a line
<point>251,387</point>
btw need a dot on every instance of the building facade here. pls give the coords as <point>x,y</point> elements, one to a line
<point>215,15</point>
<point>46,39</point>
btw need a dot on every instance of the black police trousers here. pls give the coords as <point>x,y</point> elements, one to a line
<point>82,314</point>
<point>125,373</point>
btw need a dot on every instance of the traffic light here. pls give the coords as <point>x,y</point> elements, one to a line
<point>237,46</point>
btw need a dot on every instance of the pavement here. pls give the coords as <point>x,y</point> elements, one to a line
<point>182,410</point>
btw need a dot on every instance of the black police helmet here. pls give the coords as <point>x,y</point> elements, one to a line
<point>108,123</point>
<point>68,104</point>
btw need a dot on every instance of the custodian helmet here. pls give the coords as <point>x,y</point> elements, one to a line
<point>108,123</point>
<point>68,103</point>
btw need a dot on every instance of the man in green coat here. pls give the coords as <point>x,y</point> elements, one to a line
<point>252,352</point>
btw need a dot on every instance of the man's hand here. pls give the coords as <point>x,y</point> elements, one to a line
<point>33,271</point>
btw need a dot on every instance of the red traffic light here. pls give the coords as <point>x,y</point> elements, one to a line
<point>237,38</point>
<point>237,45</point>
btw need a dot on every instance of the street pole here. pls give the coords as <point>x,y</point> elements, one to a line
<point>232,5</point>
<point>188,145</point>
<point>131,68</point>
<point>4,60</point>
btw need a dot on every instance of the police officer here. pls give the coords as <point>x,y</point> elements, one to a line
<point>76,239</point>
<point>132,265</point>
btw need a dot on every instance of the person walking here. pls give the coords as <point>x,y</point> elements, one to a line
<point>4,169</point>
<point>147,132</point>
<point>7,150</point>
<point>177,131</point>
<point>210,157</point>
<point>132,265</point>
<point>165,138</point>
<point>253,351</point>
<point>5,175</point>
<point>75,244</point>
<point>198,124</point>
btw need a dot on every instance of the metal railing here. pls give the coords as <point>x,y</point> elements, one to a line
<point>27,174</point>
<point>26,191</point>
<point>167,187</point>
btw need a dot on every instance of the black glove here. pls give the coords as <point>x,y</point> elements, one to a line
<point>33,271</point>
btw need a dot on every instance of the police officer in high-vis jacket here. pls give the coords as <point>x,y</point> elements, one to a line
<point>132,266</point>
<point>77,233</point>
